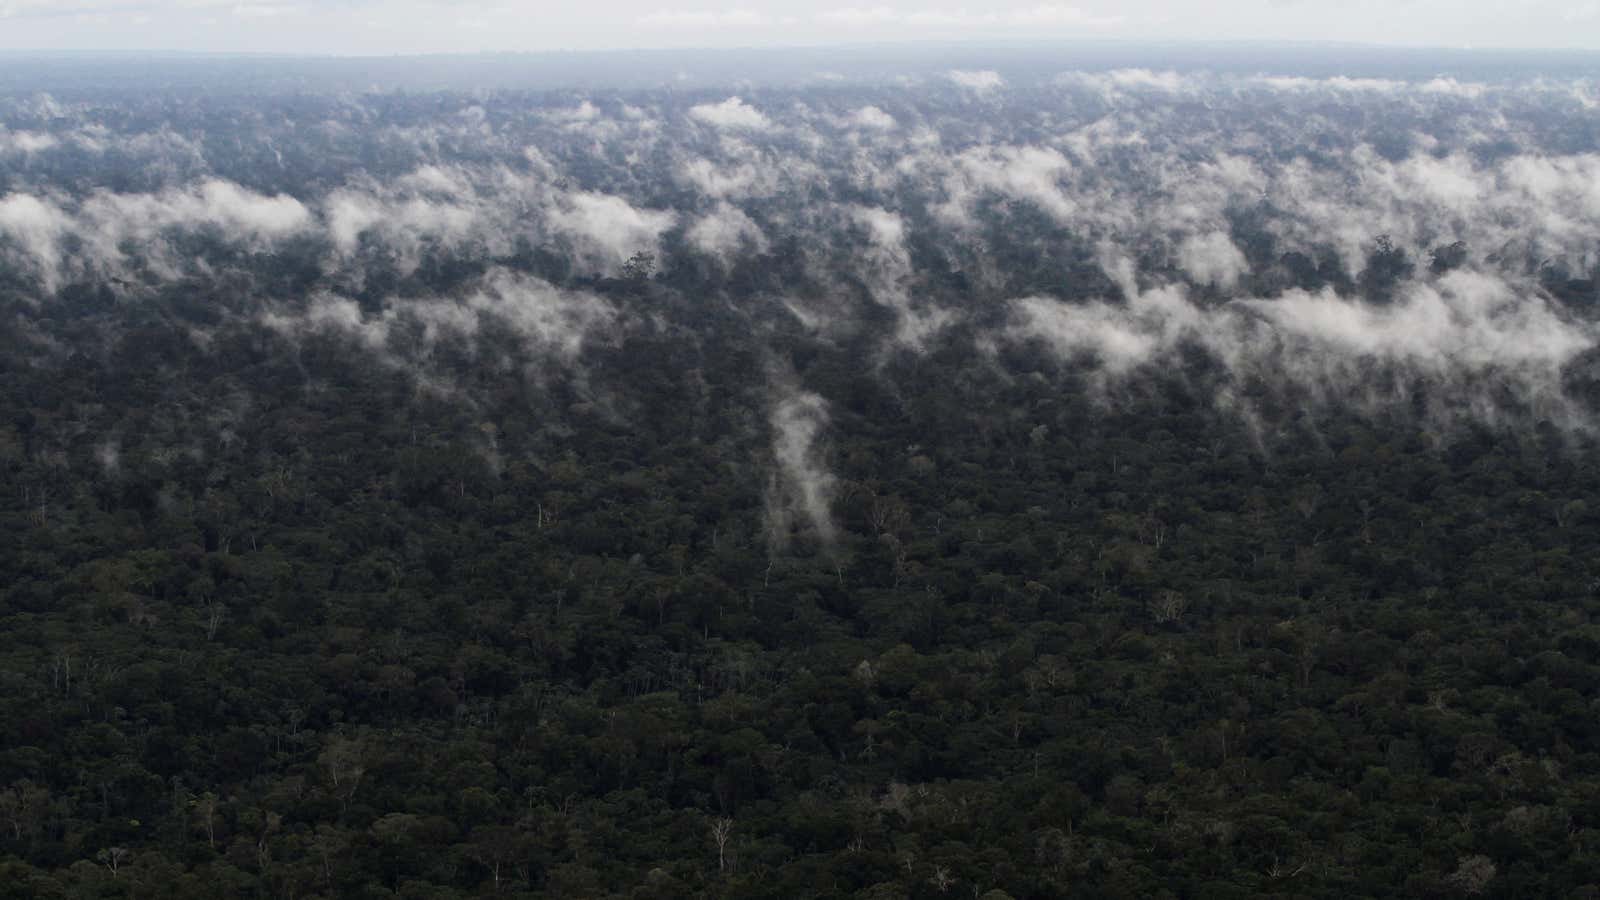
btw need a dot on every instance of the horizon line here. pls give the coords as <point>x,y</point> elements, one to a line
<point>84,53</point>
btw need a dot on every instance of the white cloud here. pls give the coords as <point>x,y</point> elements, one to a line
<point>37,227</point>
<point>872,117</point>
<point>243,211</point>
<point>1043,15</point>
<point>726,231</point>
<point>981,81</point>
<point>583,112</point>
<point>731,113</point>
<point>606,229</point>
<point>745,179</point>
<point>884,264</point>
<point>1030,173</point>
<point>1336,83</point>
<point>1059,15</point>
<point>551,320</point>
<point>267,10</point>
<point>706,18</point>
<point>1438,86</point>
<point>1131,80</point>
<point>1453,332</point>
<point>798,418</point>
<point>239,213</point>
<point>1212,259</point>
<point>856,17</point>
<point>106,222</point>
<point>1469,90</point>
<point>26,143</point>
<point>403,222</point>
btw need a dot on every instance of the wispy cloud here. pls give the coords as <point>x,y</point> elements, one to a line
<point>711,18</point>
<point>981,80</point>
<point>1045,15</point>
<point>731,113</point>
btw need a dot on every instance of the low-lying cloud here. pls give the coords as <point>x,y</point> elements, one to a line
<point>1306,231</point>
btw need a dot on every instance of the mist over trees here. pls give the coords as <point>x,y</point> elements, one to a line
<point>1053,480</point>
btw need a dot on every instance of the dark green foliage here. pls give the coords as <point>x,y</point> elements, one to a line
<point>339,647</point>
<point>283,614</point>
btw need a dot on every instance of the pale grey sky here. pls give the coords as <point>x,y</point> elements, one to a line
<point>361,27</point>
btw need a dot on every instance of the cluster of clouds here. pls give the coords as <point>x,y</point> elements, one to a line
<point>1475,345</point>
<point>1169,181</point>
<point>552,321</point>
<point>121,236</point>
<point>109,230</point>
<point>25,143</point>
<point>160,151</point>
<point>1141,171</point>
<point>1173,82</point>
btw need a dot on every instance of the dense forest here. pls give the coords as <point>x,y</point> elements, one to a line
<point>1123,483</point>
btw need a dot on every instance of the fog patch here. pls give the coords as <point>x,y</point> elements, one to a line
<point>1115,80</point>
<point>25,143</point>
<point>1457,336</point>
<point>801,485</point>
<point>884,263</point>
<point>35,227</point>
<point>871,117</point>
<point>1212,258</point>
<point>1029,173</point>
<point>551,321</point>
<point>729,182</point>
<point>605,230</point>
<point>725,232</point>
<point>981,81</point>
<point>731,113</point>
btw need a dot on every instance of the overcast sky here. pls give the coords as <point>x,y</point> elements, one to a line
<point>361,27</point>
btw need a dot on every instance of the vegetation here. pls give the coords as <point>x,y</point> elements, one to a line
<point>285,616</point>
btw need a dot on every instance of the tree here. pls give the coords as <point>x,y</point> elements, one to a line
<point>496,848</point>
<point>23,806</point>
<point>639,267</point>
<point>1473,874</point>
<point>113,858</point>
<point>205,809</point>
<point>721,831</point>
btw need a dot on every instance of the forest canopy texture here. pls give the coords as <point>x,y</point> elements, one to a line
<point>1120,482</point>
